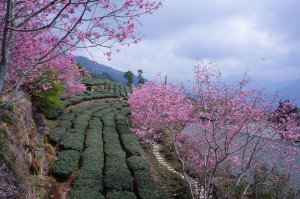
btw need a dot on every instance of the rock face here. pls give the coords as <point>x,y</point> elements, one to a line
<point>20,157</point>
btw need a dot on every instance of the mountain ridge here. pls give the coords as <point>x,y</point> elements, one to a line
<point>106,71</point>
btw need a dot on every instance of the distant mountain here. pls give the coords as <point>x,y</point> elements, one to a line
<point>289,89</point>
<point>105,71</point>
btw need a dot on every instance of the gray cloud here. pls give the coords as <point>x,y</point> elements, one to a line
<point>259,35</point>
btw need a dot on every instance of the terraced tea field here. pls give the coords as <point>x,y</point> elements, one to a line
<point>99,156</point>
<point>99,89</point>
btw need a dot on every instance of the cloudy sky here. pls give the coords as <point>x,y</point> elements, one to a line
<point>261,36</point>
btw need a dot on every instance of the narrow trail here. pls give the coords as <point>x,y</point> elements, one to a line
<point>195,186</point>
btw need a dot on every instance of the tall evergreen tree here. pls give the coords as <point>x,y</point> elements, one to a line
<point>140,77</point>
<point>129,76</point>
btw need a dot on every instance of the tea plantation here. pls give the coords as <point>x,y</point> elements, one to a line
<point>94,144</point>
<point>99,89</point>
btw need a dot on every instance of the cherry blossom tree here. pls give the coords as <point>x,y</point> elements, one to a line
<point>39,34</point>
<point>156,106</point>
<point>232,132</point>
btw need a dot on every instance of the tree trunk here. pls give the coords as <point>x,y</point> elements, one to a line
<point>7,42</point>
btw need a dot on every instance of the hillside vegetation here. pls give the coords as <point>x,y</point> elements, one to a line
<point>97,154</point>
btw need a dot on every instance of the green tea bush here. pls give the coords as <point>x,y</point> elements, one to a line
<point>111,91</point>
<point>93,81</point>
<point>117,91</point>
<point>127,90</point>
<point>93,139</point>
<point>64,123</point>
<point>87,172</point>
<point>136,163</point>
<point>123,92</point>
<point>88,183</point>
<point>121,120</point>
<point>89,176</point>
<point>81,119</point>
<point>95,123</point>
<point>110,138</point>
<point>93,156</point>
<point>114,150</point>
<point>66,163</point>
<point>123,129</point>
<point>111,85</point>
<point>104,112</point>
<point>117,106</point>
<point>117,176</point>
<point>126,111</point>
<point>108,122</point>
<point>67,116</point>
<point>121,195</point>
<point>131,144</point>
<point>147,188</point>
<point>85,193</point>
<point>79,128</point>
<point>73,141</point>
<point>56,134</point>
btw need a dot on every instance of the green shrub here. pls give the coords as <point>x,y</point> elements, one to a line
<point>117,106</point>
<point>114,150</point>
<point>93,81</point>
<point>136,163</point>
<point>88,177</point>
<point>82,119</point>
<point>88,172</point>
<point>6,118</point>
<point>125,111</point>
<point>121,120</point>
<point>127,90</point>
<point>91,156</point>
<point>96,123</point>
<point>56,134</point>
<point>68,116</point>
<point>90,183</point>
<point>93,139</point>
<point>64,123</point>
<point>123,129</point>
<point>66,163</point>
<point>120,195</point>
<point>147,188</point>
<point>109,122</point>
<point>103,112</point>
<point>79,128</point>
<point>131,144</point>
<point>110,138</point>
<point>118,177</point>
<point>73,141</point>
<point>49,101</point>
<point>123,92</point>
<point>85,193</point>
